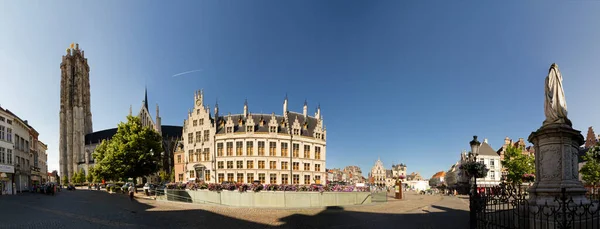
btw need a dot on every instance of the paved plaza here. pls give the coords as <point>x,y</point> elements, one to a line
<point>99,209</point>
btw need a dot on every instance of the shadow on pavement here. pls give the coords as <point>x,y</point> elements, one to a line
<point>99,209</point>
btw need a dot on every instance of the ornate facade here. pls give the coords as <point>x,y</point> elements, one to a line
<point>378,174</point>
<point>276,149</point>
<point>75,110</point>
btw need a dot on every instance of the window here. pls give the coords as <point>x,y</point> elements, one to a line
<point>284,149</point>
<point>261,164</point>
<point>9,121</point>
<point>229,148</point>
<point>17,160</point>
<point>1,119</point>
<point>272,148</point>
<point>284,179</point>
<point>306,166</point>
<point>240,178</point>
<point>9,134</point>
<point>296,165</point>
<point>317,168</point>
<point>198,136</point>
<point>190,138</point>
<point>272,165</point>
<point>198,156</point>
<point>238,148</point>
<point>273,129</point>
<point>2,155</point>
<point>192,174</point>
<point>318,179</point>
<point>195,122</point>
<point>249,177</point>
<point>273,178</point>
<point>180,177</point>
<point>2,130</point>
<point>492,175</point>
<point>261,178</point>
<point>220,165</point>
<point>239,164</point>
<point>296,131</point>
<point>178,159</point>
<point>221,177</point>
<point>207,176</point>
<point>492,163</point>
<point>230,129</point>
<point>191,155</point>
<point>296,179</point>
<point>317,153</point>
<point>249,164</point>
<point>284,165</point>
<point>249,128</point>
<point>201,121</point>
<point>249,148</point>
<point>206,135</point>
<point>261,148</point>
<point>220,149</point>
<point>306,151</point>
<point>9,156</point>
<point>206,154</point>
<point>296,150</point>
<point>230,177</point>
<point>306,179</point>
<point>318,135</point>
<point>230,164</point>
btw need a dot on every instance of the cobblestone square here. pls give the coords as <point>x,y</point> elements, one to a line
<point>99,209</point>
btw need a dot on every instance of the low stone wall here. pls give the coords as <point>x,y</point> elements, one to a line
<point>269,199</point>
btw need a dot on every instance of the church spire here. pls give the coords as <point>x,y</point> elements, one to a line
<point>146,97</point>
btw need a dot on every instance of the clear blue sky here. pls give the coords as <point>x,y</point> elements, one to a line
<point>408,82</point>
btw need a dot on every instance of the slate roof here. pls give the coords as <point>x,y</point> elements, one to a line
<point>257,118</point>
<point>97,137</point>
<point>486,150</point>
<point>389,173</point>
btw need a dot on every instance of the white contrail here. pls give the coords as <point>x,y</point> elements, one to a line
<point>183,73</point>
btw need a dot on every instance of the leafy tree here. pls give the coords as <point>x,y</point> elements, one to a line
<point>590,171</point>
<point>434,182</point>
<point>65,180</point>
<point>164,176</point>
<point>517,164</point>
<point>132,152</point>
<point>74,177</point>
<point>90,175</point>
<point>450,178</point>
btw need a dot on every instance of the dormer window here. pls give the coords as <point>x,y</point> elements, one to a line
<point>296,131</point>
<point>249,128</point>
<point>318,135</point>
<point>230,129</point>
<point>273,129</point>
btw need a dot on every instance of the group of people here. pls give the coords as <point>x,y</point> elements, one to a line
<point>48,188</point>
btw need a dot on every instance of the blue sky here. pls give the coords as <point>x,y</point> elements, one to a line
<point>404,81</point>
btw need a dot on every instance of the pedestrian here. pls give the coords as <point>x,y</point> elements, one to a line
<point>131,192</point>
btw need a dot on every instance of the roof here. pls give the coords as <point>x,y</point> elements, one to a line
<point>17,117</point>
<point>486,150</point>
<point>389,173</point>
<point>439,174</point>
<point>97,137</point>
<point>257,118</point>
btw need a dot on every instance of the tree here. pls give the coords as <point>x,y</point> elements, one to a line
<point>517,164</point>
<point>65,180</point>
<point>134,151</point>
<point>164,176</point>
<point>74,177</point>
<point>590,171</point>
<point>450,178</point>
<point>434,182</point>
<point>90,175</point>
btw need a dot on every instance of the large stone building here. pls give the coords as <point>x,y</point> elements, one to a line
<point>77,140</point>
<point>378,174</point>
<point>23,157</point>
<point>277,149</point>
<point>75,110</point>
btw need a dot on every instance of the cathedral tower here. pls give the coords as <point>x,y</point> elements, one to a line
<point>75,109</point>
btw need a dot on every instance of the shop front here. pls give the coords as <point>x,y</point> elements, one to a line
<point>7,173</point>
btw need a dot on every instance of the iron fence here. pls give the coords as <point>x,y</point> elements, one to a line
<point>507,206</point>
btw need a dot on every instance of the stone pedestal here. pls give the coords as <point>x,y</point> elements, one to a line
<point>556,165</point>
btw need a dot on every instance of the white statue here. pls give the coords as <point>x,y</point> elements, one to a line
<point>555,105</point>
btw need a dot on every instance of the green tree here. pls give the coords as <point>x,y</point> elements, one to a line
<point>132,152</point>
<point>65,180</point>
<point>90,175</point>
<point>590,171</point>
<point>434,182</point>
<point>74,177</point>
<point>450,178</point>
<point>164,176</point>
<point>517,164</point>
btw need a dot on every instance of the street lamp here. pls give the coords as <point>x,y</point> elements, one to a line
<point>474,195</point>
<point>474,148</point>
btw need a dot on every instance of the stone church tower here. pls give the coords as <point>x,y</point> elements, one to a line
<point>75,109</point>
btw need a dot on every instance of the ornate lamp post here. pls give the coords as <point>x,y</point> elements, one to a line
<point>474,195</point>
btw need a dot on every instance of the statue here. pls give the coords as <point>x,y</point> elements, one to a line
<point>555,105</point>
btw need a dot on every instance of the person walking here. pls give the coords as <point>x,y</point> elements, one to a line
<point>131,192</point>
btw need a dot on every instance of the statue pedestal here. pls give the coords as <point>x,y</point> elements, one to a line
<point>556,165</point>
